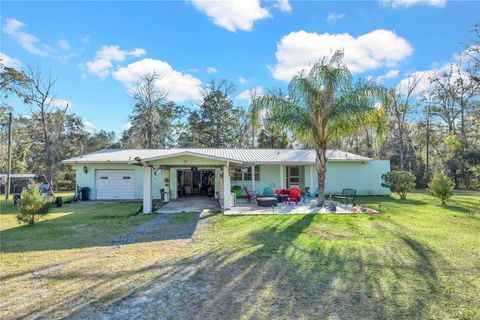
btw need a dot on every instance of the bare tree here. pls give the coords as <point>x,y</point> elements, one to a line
<point>148,98</point>
<point>153,119</point>
<point>472,53</point>
<point>48,117</point>
<point>450,95</point>
<point>401,103</point>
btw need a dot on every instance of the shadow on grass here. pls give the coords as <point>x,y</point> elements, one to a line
<point>83,225</point>
<point>271,276</point>
<point>270,273</point>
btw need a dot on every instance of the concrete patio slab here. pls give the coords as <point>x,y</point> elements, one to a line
<point>243,207</point>
<point>191,204</point>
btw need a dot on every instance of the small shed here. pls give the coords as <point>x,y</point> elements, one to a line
<point>18,181</point>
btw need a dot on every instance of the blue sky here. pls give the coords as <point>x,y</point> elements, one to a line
<point>97,50</point>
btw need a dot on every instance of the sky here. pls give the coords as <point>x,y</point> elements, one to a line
<point>98,50</point>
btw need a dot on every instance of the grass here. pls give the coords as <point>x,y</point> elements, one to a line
<point>417,260</point>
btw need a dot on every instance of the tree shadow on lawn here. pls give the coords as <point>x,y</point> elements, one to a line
<point>89,226</point>
<point>387,200</point>
<point>276,277</point>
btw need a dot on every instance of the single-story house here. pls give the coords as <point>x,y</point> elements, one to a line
<point>176,173</point>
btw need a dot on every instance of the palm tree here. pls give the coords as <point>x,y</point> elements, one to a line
<point>322,105</point>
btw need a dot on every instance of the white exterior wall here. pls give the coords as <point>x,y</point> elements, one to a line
<point>364,177</point>
<point>88,179</point>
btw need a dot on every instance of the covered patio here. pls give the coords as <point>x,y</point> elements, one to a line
<point>170,164</point>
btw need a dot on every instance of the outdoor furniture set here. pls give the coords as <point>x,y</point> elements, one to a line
<point>271,197</point>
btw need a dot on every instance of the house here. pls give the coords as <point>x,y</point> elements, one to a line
<point>176,173</point>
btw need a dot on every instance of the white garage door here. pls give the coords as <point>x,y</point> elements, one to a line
<point>115,184</point>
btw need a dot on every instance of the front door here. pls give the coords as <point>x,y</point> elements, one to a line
<point>293,177</point>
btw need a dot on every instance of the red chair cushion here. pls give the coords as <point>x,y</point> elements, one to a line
<point>295,193</point>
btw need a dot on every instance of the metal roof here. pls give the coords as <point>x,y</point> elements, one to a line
<point>250,156</point>
<point>18,175</point>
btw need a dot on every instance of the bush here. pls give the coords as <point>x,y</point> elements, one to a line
<point>475,186</point>
<point>474,212</point>
<point>400,182</point>
<point>32,205</point>
<point>441,187</point>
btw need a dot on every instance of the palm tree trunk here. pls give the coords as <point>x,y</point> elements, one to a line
<point>321,154</point>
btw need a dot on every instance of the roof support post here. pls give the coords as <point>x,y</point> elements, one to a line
<point>253,179</point>
<point>312,170</point>
<point>147,189</point>
<point>226,188</point>
<point>282,176</point>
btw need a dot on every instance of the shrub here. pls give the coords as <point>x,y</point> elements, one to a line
<point>400,182</point>
<point>474,212</point>
<point>32,205</point>
<point>475,186</point>
<point>441,187</point>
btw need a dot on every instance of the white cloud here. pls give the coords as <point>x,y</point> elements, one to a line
<point>8,61</point>
<point>246,95</point>
<point>299,50</point>
<point>102,64</point>
<point>390,74</point>
<point>28,41</point>
<point>423,78</point>
<point>127,125</point>
<point>90,127</point>
<point>334,17</point>
<point>212,70</point>
<point>283,5</point>
<point>60,103</point>
<point>180,86</point>
<point>408,3</point>
<point>63,43</point>
<point>242,80</point>
<point>233,15</point>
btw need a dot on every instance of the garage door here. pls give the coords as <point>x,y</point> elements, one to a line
<point>115,184</point>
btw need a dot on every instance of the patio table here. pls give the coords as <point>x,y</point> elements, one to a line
<point>285,197</point>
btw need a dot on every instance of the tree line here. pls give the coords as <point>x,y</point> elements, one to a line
<point>427,123</point>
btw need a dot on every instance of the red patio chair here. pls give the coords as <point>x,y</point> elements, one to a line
<point>295,195</point>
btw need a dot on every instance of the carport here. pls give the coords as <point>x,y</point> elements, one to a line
<point>186,159</point>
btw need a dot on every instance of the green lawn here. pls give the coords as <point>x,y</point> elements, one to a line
<point>417,260</point>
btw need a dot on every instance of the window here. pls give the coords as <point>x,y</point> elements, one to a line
<point>237,175</point>
<point>246,176</point>
<point>126,178</point>
<point>103,178</point>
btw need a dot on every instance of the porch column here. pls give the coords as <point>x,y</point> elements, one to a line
<point>226,187</point>
<point>282,176</point>
<point>166,175</point>
<point>147,190</point>
<point>253,179</point>
<point>312,168</point>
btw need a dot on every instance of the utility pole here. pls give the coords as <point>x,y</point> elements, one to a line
<point>9,156</point>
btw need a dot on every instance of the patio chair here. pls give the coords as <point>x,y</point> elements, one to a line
<point>347,196</point>
<point>248,195</point>
<point>267,192</point>
<point>294,195</point>
<point>279,193</point>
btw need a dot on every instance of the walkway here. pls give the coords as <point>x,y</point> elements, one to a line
<point>191,204</point>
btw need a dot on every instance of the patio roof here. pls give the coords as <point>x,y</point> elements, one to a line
<point>18,176</point>
<point>246,156</point>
